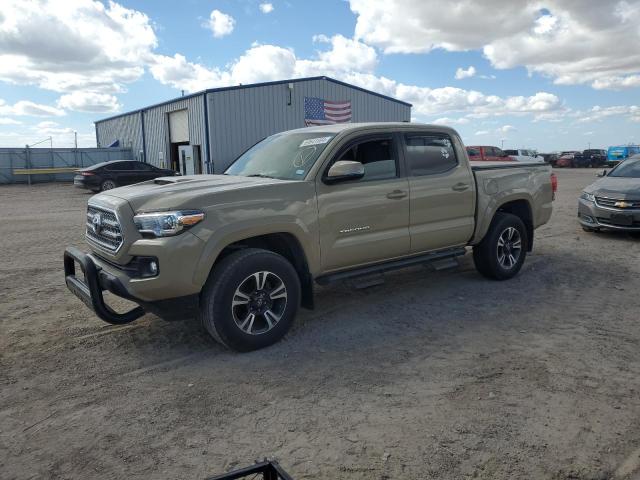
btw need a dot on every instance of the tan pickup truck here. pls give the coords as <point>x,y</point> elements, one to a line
<point>315,205</point>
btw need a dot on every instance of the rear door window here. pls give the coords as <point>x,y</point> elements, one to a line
<point>119,166</point>
<point>429,153</point>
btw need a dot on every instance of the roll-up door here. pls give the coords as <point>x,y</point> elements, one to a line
<point>179,126</point>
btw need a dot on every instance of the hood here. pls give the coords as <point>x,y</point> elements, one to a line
<point>193,191</point>
<point>616,187</point>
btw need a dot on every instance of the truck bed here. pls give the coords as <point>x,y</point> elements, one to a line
<point>501,182</point>
<point>481,165</point>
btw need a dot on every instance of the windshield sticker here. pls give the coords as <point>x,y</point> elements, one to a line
<point>314,141</point>
<point>303,156</point>
<point>299,172</point>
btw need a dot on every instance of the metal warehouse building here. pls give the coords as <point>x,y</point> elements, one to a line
<point>204,132</point>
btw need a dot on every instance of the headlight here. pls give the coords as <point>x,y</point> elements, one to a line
<point>589,197</point>
<point>167,224</point>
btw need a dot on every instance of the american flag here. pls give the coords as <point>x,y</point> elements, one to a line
<point>318,111</point>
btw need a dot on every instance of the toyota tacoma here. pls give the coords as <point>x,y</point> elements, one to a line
<point>304,207</point>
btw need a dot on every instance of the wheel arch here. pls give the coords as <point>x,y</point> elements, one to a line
<point>283,243</point>
<point>520,207</point>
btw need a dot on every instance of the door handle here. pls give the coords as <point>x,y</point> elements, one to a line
<point>396,194</point>
<point>460,187</point>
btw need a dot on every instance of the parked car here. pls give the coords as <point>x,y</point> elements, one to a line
<point>613,201</point>
<point>117,173</point>
<point>595,157</point>
<point>617,154</point>
<point>522,155</point>
<point>551,158</point>
<point>314,205</point>
<point>487,154</point>
<point>570,159</point>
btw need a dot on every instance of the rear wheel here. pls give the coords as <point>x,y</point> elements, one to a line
<point>502,251</point>
<point>107,185</point>
<point>250,300</point>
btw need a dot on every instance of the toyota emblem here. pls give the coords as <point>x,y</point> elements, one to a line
<point>96,223</point>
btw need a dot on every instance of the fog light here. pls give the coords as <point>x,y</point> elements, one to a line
<point>146,267</point>
<point>588,219</point>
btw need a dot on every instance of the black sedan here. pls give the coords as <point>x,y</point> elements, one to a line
<point>108,175</point>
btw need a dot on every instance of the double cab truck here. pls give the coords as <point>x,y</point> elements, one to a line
<point>304,207</point>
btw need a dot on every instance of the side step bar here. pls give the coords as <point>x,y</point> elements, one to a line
<point>425,258</point>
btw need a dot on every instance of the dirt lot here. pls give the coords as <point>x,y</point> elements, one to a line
<point>433,375</point>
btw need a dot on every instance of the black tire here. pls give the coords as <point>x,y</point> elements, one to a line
<point>486,253</point>
<point>218,314</point>
<point>107,185</point>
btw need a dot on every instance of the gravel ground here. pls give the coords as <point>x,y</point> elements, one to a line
<point>432,375</point>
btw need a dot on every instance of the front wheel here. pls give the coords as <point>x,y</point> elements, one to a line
<point>502,251</point>
<point>250,299</point>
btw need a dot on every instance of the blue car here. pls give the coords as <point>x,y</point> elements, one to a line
<point>617,154</point>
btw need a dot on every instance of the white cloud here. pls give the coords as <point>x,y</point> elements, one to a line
<point>220,23</point>
<point>266,62</point>
<point>482,132</point>
<point>75,44</point>
<point>468,73</point>
<point>597,113</point>
<point>266,7</point>
<point>9,121</point>
<point>571,41</point>
<point>29,108</point>
<point>89,102</point>
<point>344,55</point>
<point>450,121</point>
<point>507,129</point>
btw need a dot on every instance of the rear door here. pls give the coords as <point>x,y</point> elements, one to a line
<point>146,171</point>
<point>366,220</point>
<point>442,191</point>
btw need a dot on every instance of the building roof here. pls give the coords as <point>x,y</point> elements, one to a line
<point>254,85</point>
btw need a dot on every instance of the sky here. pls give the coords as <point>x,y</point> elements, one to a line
<point>544,74</point>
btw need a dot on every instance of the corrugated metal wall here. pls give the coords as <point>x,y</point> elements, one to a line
<point>126,128</point>
<point>18,158</point>
<point>156,127</point>
<point>239,118</point>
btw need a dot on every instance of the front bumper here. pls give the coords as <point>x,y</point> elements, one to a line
<point>592,215</point>
<point>96,280</point>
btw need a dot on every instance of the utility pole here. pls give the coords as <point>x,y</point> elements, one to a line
<point>589,145</point>
<point>75,139</point>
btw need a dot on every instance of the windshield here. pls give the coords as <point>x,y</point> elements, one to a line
<point>628,169</point>
<point>287,156</point>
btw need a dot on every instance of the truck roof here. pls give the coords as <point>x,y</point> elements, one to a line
<point>343,127</point>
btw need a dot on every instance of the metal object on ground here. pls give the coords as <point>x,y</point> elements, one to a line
<point>266,470</point>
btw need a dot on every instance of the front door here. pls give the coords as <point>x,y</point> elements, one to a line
<point>366,220</point>
<point>442,190</point>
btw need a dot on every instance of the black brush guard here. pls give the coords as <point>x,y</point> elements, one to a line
<point>266,470</point>
<point>89,289</point>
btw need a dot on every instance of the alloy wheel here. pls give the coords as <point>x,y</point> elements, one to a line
<point>259,302</point>
<point>509,248</point>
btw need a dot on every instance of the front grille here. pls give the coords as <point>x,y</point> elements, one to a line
<point>611,203</point>
<point>103,228</point>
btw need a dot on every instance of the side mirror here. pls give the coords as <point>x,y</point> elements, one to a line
<point>603,173</point>
<point>344,170</point>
